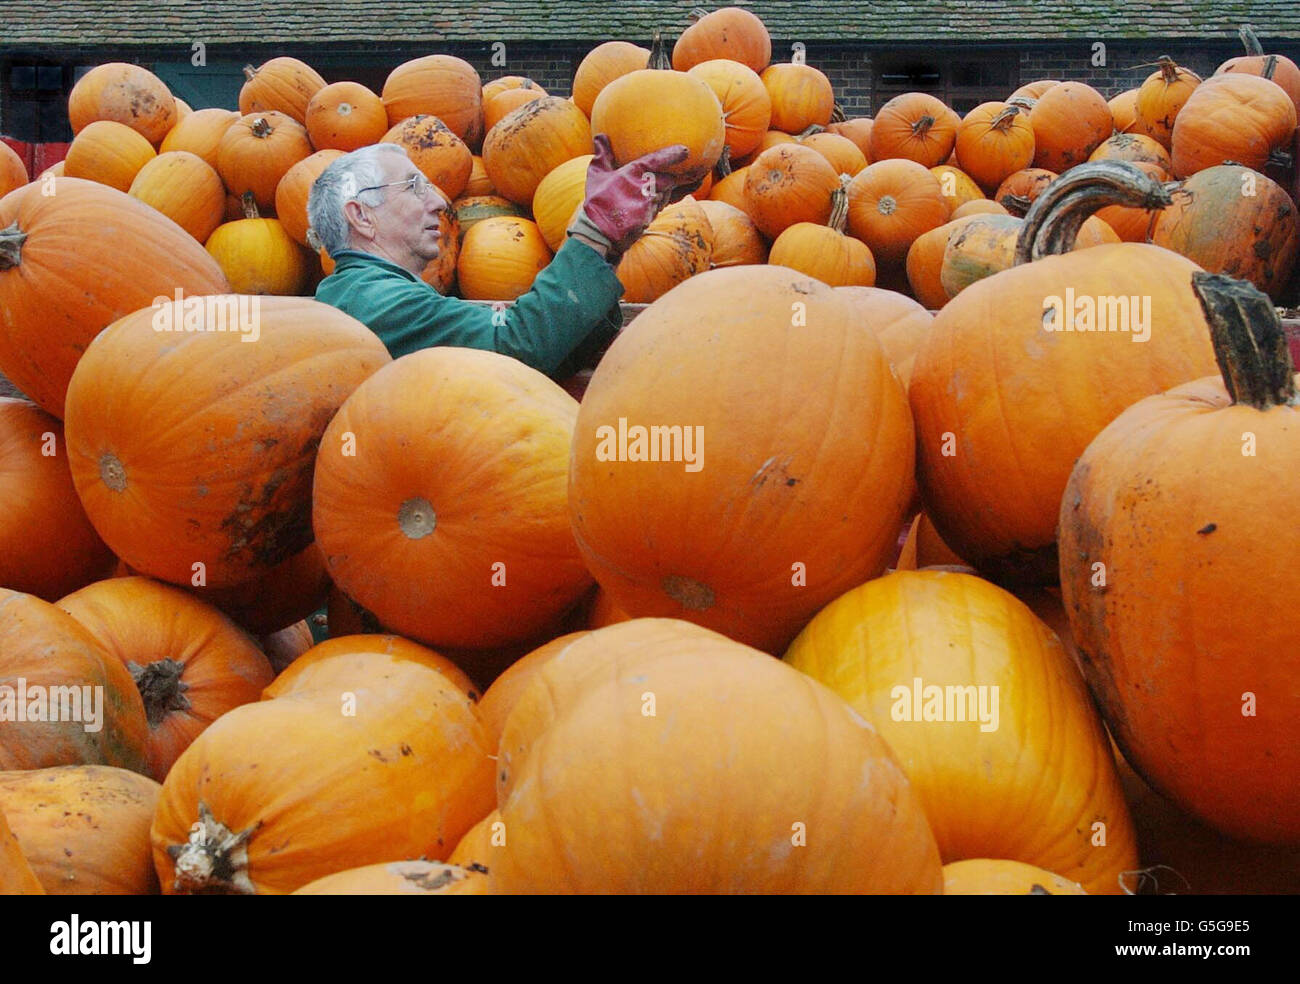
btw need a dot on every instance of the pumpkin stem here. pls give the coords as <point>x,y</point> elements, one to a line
<point>1053,221</point>
<point>1168,69</point>
<point>249,72</point>
<point>11,246</point>
<point>1024,102</point>
<point>214,861</point>
<point>1280,158</point>
<point>161,688</point>
<point>840,205</point>
<point>697,13</point>
<point>723,167</point>
<point>1249,341</point>
<point>837,113</point>
<point>811,130</point>
<point>1270,66</point>
<point>1002,122</point>
<point>250,205</point>
<point>922,126</point>
<point>262,128</point>
<point>1250,40</point>
<point>1017,205</point>
<point>659,57</point>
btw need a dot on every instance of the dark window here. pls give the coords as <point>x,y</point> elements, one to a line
<point>36,101</point>
<point>960,80</point>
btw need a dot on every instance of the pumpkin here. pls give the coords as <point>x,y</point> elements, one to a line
<point>110,153</point>
<point>770,139</point>
<point>1161,97</point>
<point>42,646</point>
<point>326,667</point>
<point>259,257</point>
<point>47,545</point>
<point>825,251</point>
<point>183,187</point>
<point>858,130</point>
<point>957,186</point>
<point>293,190</point>
<point>13,172</point>
<point>823,503</point>
<point>400,878</point>
<point>678,244</point>
<point>441,156</point>
<point>789,183</point>
<point>469,211</point>
<point>601,66</point>
<point>183,451</point>
<point>1020,188</point>
<point>440,272</point>
<point>801,96</point>
<point>257,151</point>
<point>730,32</point>
<point>1033,90</point>
<point>1161,492</point>
<point>736,240</point>
<point>731,190</point>
<point>190,663</point>
<point>918,653</point>
<point>992,482</point>
<point>1070,119</point>
<point>993,142</point>
<point>980,206</point>
<point>891,202</point>
<point>281,85</point>
<point>925,263</point>
<point>925,548</point>
<point>1134,148</point>
<point>509,83</point>
<point>200,133</point>
<point>500,698</point>
<point>746,105</point>
<point>84,829</point>
<point>1132,225</point>
<point>241,811</point>
<point>1123,110</point>
<point>1233,117</point>
<point>986,876</point>
<point>16,877</point>
<point>478,848</point>
<point>915,126</point>
<point>726,798</point>
<point>345,116</point>
<point>531,142</point>
<point>413,493</point>
<point>1216,223</point>
<point>500,257</point>
<point>1276,68</point>
<point>286,645</point>
<point>657,107</point>
<point>842,153</point>
<point>126,94</point>
<point>281,596</point>
<point>557,199</point>
<point>898,322</point>
<point>59,287</point>
<point>437,85</point>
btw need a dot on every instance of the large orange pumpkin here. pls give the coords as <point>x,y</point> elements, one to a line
<point>557,199</point>
<point>1276,68</point>
<point>438,85</point>
<point>993,142</point>
<point>531,142</point>
<point>891,202</point>
<point>500,258</point>
<point>257,151</point>
<point>183,187</point>
<point>1135,148</point>
<point>898,322</point>
<point>746,105</point>
<point>601,66</point>
<point>100,719</point>
<point>1020,188</point>
<point>441,156</point>
<point>399,766</point>
<point>1161,97</point>
<point>126,94</point>
<point>47,545</point>
<point>915,126</point>
<point>259,257</point>
<point>858,130</point>
<point>925,263</point>
<point>931,659</point>
<point>660,808</point>
<point>345,116</point>
<point>59,286</point>
<point>473,209</point>
<point>1233,117</point>
<point>190,663</point>
<point>1070,119</point>
<point>658,438</point>
<point>1123,109</point>
<point>788,183</point>
<point>992,479</point>
<point>281,85</point>
<point>84,829</point>
<point>200,133</point>
<point>826,251</point>
<point>326,667</point>
<point>420,521</point>
<point>13,172</point>
<point>1183,495</point>
<point>736,240</point>
<point>678,244</point>
<point>801,96</point>
<point>730,32</point>
<point>191,450</point>
<point>110,153</point>
<point>293,190</point>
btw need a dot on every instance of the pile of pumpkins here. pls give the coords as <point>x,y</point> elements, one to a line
<point>666,639</point>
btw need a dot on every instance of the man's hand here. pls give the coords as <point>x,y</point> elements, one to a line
<point>621,202</point>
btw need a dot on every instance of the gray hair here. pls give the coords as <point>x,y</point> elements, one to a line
<point>338,185</point>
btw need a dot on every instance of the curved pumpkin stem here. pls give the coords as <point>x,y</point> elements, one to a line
<point>249,204</point>
<point>214,861</point>
<point>249,72</point>
<point>697,13</point>
<point>723,167</point>
<point>1024,102</point>
<point>1168,69</point>
<point>1052,223</point>
<point>922,126</point>
<point>659,57</point>
<point>1003,120</point>
<point>11,246</point>
<point>837,113</point>
<point>161,688</point>
<point>840,205</point>
<point>1250,40</point>
<point>1270,67</point>
<point>811,130</point>
<point>1249,341</point>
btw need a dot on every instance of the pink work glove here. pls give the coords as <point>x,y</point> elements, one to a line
<point>621,202</point>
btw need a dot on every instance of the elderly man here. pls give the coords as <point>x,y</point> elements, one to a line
<point>378,218</point>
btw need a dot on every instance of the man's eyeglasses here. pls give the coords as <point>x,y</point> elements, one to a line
<point>417,184</point>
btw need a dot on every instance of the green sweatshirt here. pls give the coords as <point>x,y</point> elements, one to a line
<point>573,301</point>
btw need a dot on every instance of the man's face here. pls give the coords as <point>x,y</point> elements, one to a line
<point>406,225</point>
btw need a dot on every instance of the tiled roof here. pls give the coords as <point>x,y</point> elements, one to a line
<point>182,22</point>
